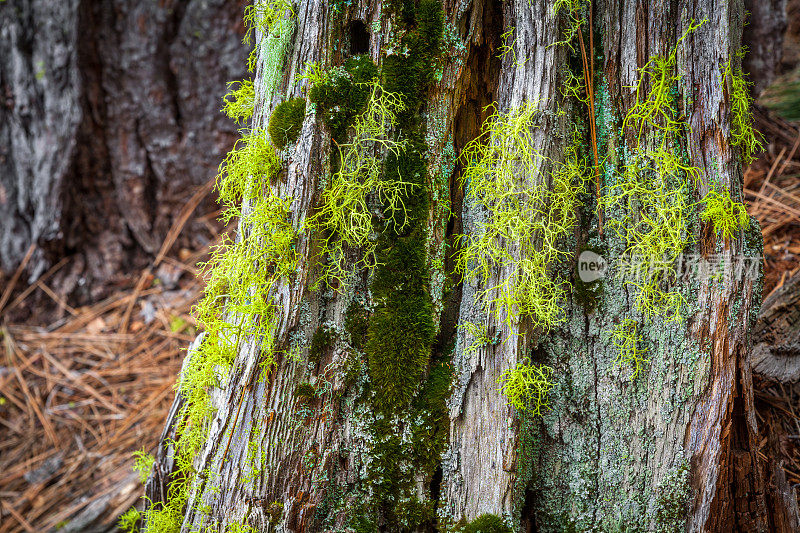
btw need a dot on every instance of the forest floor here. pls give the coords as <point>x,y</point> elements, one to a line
<point>82,389</point>
<point>772,195</point>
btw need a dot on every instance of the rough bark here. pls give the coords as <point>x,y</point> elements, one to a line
<point>674,448</point>
<point>109,123</point>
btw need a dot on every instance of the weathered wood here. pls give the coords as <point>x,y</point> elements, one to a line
<point>675,448</point>
<point>776,337</point>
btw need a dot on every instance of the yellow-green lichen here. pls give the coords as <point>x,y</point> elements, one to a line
<point>725,214</point>
<point>527,387</point>
<point>742,133</point>
<point>628,341</point>
<point>143,464</point>
<point>129,521</point>
<point>345,217</point>
<point>527,218</point>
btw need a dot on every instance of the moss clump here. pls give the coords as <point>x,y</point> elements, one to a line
<point>321,340</point>
<point>401,329</point>
<point>305,392</point>
<point>588,294</point>
<point>356,323</point>
<point>342,94</point>
<point>413,514</point>
<point>410,72</point>
<point>485,523</point>
<point>430,429</point>
<point>286,121</point>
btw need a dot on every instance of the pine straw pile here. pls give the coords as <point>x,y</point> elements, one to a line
<point>79,396</point>
<point>772,194</point>
<point>772,191</point>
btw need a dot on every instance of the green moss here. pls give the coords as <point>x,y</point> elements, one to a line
<point>356,323</point>
<point>431,423</point>
<point>401,329</point>
<point>485,523</point>
<point>342,94</point>
<point>286,121</point>
<point>320,342</point>
<point>413,514</point>
<point>305,392</point>
<point>406,73</point>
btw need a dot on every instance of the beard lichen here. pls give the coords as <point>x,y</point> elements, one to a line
<point>527,221</point>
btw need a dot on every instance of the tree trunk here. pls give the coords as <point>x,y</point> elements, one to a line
<point>314,447</point>
<point>109,124</point>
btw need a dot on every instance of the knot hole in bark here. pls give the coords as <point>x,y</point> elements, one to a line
<point>359,38</point>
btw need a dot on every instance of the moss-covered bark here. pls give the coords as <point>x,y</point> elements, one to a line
<point>383,410</point>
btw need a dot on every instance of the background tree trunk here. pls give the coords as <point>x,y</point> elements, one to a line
<point>110,121</point>
<point>673,449</point>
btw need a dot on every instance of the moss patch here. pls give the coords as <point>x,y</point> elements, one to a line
<point>286,121</point>
<point>342,94</point>
<point>320,342</point>
<point>485,523</point>
<point>401,330</point>
<point>356,323</point>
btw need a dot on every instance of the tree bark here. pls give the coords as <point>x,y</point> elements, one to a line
<point>110,121</point>
<point>673,449</point>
